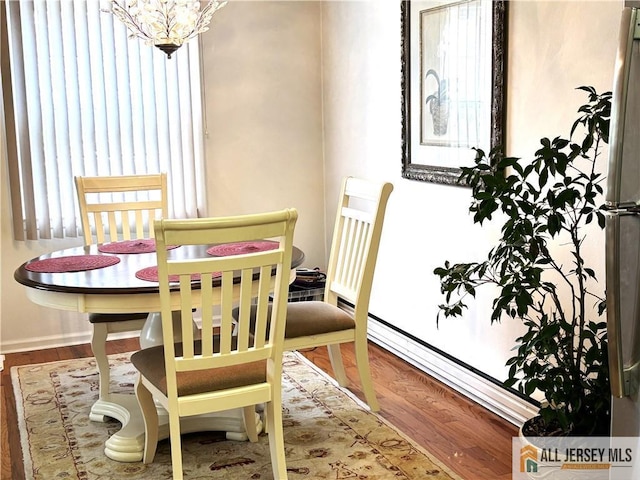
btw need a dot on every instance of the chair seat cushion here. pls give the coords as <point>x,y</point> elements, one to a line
<point>315,317</point>
<point>116,317</point>
<point>150,363</point>
<point>310,318</point>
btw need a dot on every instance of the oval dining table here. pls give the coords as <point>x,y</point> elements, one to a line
<point>113,283</point>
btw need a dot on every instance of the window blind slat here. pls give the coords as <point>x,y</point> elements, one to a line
<point>113,122</point>
<point>98,97</point>
<point>175,135</point>
<point>188,139</point>
<point>59,166</point>
<point>123,107</point>
<point>38,113</point>
<point>10,117</point>
<point>163,132</point>
<point>150,116</point>
<point>199,125</point>
<point>86,163</point>
<point>74,124</point>
<point>136,99</point>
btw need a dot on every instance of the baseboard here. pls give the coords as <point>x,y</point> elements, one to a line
<point>479,389</point>
<point>55,341</point>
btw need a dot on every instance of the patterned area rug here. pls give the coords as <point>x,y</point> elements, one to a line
<point>328,432</point>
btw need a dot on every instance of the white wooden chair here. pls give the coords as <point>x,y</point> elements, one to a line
<point>114,208</point>
<point>219,371</point>
<point>352,260</point>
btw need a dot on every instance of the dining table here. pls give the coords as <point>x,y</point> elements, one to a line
<point>121,277</point>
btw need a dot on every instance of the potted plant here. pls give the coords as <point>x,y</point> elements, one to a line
<point>542,276</point>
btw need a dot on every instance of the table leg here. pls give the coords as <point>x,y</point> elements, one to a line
<point>98,346</point>
<point>127,445</point>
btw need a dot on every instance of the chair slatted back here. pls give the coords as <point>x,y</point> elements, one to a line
<point>356,238</point>
<point>114,208</point>
<point>244,278</point>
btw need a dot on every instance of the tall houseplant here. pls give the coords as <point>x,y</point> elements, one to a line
<point>541,273</point>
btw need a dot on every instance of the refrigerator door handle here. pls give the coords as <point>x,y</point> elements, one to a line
<point>624,379</point>
<point>614,335</point>
<point>620,191</point>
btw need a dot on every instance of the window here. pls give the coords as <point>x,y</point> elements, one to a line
<point>84,99</point>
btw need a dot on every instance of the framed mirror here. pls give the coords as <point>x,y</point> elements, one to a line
<point>453,85</point>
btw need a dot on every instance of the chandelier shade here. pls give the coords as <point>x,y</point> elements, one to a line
<point>166,24</point>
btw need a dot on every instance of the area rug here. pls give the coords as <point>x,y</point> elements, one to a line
<point>329,433</point>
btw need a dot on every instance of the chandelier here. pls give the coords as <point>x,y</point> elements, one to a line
<point>166,24</point>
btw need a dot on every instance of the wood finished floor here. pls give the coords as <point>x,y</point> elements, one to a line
<point>473,442</point>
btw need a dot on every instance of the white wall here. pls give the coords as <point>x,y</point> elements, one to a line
<point>553,48</point>
<point>263,108</point>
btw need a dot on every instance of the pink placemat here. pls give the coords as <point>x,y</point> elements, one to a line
<point>143,245</point>
<point>239,248</point>
<point>150,274</point>
<point>72,263</point>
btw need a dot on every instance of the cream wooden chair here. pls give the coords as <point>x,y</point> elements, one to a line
<point>226,370</point>
<point>352,260</point>
<point>114,208</point>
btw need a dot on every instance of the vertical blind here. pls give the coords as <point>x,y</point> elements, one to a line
<point>84,99</point>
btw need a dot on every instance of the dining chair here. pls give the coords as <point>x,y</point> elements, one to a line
<point>114,208</point>
<point>352,260</point>
<point>218,370</point>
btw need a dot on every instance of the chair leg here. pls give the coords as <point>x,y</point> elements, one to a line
<point>150,417</point>
<point>98,347</point>
<point>362,361</point>
<point>276,440</point>
<point>249,417</point>
<point>265,421</point>
<point>336,363</point>
<point>176,446</point>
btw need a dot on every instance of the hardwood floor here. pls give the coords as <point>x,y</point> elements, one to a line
<point>469,439</point>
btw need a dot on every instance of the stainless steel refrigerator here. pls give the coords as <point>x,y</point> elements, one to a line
<point>623,232</point>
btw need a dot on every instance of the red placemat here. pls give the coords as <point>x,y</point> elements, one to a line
<point>143,245</point>
<point>239,248</point>
<point>72,263</point>
<point>150,274</point>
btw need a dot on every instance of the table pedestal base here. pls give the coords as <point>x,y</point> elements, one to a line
<point>127,445</point>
